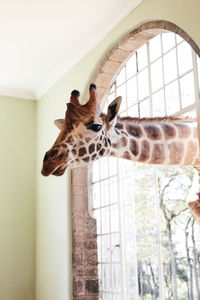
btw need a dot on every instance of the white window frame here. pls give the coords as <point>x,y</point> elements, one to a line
<point>112,294</point>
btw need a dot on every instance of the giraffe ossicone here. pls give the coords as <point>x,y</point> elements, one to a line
<point>87,134</point>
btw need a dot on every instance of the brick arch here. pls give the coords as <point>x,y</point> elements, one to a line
<point>120,53</point>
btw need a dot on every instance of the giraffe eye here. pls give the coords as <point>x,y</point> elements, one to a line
<point>94,127</point>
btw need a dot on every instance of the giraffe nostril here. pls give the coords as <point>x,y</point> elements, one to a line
<point>53,153</point>
<point>46,157</point>
<point>50,154</point>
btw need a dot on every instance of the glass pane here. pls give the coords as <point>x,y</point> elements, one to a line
<point>176,229</point>
<point>130,249</point>
<point>144,109</point>
<point>168,40</point>
<point>146,230</point>
<point>142,57</point>
<point>105,192</point>
<point>158,104</point>
<point>123,114</point>
<point>97,216</point>
<point>184,57</point>
<point>116,268</point>
<point>156,75</point>
<point>127,189</point>
<point>112,89</point>
<point>128,219</point>
<point>111,97</point>
<point>130,278</point>
<point>95,171</point>
<point>131,91</point>
<point>131,296</point>
<point>106,254</point>
<point>131,67</point>
<point>96,195</point>
<point>121,91</point>
<point>170,67</point>
<point>125,169</point>
<point>100,276</point>
<point>99,245</point>
<point>104,167</point>
<point>133,111</point>
<point>117,297</point>
<point>113,190</point>
<point>107,296</point>
<point>178,38</point>
<point>155,48</point>
<point>105,220</point>
<point>187,90</point>
<point>121,77</point>
<point>143,84</point>
<point>107,278</point>
<point>172,98</point>
<point>112,166</point>
<point>115,247</point>
<point>114,216</point>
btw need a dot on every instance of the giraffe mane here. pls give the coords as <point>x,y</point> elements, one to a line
<point>170,119</point>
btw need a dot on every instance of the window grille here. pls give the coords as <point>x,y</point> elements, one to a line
<point>129,199</point>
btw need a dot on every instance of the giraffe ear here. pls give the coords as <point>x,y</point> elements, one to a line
<point>59,123</point>
<point>113,108</point>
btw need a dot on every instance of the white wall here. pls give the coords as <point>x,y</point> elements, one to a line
<point>53,273</point>
<point>17,199</point>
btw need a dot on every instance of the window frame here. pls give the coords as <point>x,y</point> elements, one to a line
<point>110,66</point>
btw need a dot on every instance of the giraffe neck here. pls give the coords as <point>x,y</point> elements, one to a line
<point>156,143</point>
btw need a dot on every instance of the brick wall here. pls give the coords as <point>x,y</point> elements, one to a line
<point>84,240</point>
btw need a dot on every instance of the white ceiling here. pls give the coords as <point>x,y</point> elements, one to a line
<point>40,40</point>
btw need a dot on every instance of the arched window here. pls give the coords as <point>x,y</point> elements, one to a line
<point>148,244</point>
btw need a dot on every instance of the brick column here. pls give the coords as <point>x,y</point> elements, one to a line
<point>84,240</point>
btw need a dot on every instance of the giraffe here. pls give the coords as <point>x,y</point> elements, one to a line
<point>86,134</point>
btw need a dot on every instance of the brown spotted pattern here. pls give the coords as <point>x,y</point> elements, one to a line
<point>91,148</point>
<point>169,131</point>
<point>134,130</point>
<point>146,148</point>
<point>101,152</point>
<point>134,147</point>
<point>94,156</point>
<point>153,132</point>
<point>98,147</point>
<point>191,152</point>
<point>176,152</point>
<point>126,155</point>
<point>74,151</point>
<point>145,151</point>
<point>158,154</point>
<point>119,126</point>
<point>86,159</point>
<point>124,141</point>
<point>184,130</point>
<point>82,151</point>
<point>70,140</point>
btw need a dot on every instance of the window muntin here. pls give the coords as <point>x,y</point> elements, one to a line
<point>131,226</point>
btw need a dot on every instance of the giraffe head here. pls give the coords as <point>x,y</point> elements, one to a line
<point>84,134</point>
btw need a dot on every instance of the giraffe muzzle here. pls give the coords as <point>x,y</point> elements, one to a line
<point>52,168</point>
<point>60,171</point>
